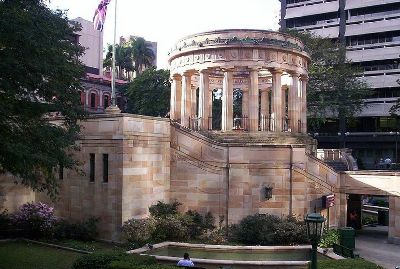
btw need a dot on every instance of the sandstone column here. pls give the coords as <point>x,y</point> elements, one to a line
<point>193,98</point>
<point>210,111</point>
<point>253,101</point>
<point>276,114</point>
<point>293,106</point>
<point>176,89</point>
<point>264,110</point>
<point>204,105</point>
<point>304,80</point>
<point>227,101</point>
<point>185,100</point>
<point>245,102</point>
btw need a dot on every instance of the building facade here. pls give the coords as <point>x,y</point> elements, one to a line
<point>131,161</point>
<point>371,32</point>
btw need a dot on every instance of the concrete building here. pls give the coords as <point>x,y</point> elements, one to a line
<point>371,30</point>
<point>132,161</point>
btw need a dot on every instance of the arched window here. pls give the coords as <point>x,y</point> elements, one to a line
<point>106,101</point>
<point>93,100</point>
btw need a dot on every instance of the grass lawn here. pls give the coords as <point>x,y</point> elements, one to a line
<point>347,264</point>
<point>91,246</point>
<point>23,255</point>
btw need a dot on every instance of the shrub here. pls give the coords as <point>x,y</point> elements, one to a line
<point>173,228</point>
<point>255,229</point>
<point>138,230</point>
<point>104,260</point>
<point>162,210</point>
<point>290,231</point>
<point>85,231</point>
<point>369,219</point>
<point>197,224</point>
<point>4,220</point>
<point>329,237</point>
<point>265,229</point>
<point>36,219</point>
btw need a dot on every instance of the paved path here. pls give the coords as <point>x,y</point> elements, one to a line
<point>372,245</point>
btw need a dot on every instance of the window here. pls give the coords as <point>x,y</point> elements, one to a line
<point>61,172</point>
<point>106,100</point>
<point>105,168</point>
<point>92,167</point>
<point>92,100</point>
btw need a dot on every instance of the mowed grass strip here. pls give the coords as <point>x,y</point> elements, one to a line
<point>347,264</point>
<point>24,255</point>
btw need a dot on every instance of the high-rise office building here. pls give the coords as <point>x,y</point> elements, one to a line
<point>371,31</point>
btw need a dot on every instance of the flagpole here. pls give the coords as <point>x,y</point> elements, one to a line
<point>113,108</point>
<point>113,97</point>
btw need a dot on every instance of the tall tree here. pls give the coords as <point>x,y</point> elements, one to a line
<point>123,61</point>
<point>39,75</point>
<point>335,89</point>
<point>149,93</point>
<point>142,54</point>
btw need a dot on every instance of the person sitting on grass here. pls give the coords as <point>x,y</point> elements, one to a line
<point>186,262</point>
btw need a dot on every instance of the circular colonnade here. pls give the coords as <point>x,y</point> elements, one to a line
<point>268,70</point>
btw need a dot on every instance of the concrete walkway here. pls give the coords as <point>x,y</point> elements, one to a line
<point>372,245</point>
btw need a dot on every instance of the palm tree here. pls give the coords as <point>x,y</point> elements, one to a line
<point>123,61</point>
<point>142,54</point>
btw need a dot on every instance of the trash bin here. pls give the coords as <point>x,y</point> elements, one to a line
<point>347,237</point>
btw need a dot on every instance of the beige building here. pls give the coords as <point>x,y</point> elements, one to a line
<point>131,161</point>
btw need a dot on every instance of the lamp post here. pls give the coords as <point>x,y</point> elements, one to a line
<point>314,223</point>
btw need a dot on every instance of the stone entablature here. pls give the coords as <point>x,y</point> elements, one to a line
<point>266,66</point>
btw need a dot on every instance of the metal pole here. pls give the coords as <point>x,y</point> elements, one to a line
<point>113,97</point>
<point>314,255</point>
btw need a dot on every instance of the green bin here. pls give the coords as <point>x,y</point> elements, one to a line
<point>347,237</point>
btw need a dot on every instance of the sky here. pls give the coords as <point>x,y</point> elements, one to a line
<point>166,21</point>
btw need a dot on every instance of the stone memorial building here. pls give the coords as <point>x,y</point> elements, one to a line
<point>259,159</point>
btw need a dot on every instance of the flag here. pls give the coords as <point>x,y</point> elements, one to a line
<point>100,15</point>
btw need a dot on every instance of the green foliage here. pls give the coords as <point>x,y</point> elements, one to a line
<point>167,224</point>
<point>127,265</point>
<point>347,264</point>
<point>142,53</point>
<point>106,260</point>
<point>139,230</point>
<point>4,220</point>
<point>256,229</point>
<point>197,224</point>
<point>334,88</point>
<point>380,202</point>
<point>135,54</point>
<point>162,210</point>
<point>149,93</point>
<point>290,231</point>
<point>329,238</point>
<point>39,74</point>
<point>369,219</point>
<point>85,230</point>
<point>265,229</point>
<point>171,228</point>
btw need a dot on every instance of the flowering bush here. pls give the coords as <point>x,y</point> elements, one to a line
<point>36,219</point>
<point>139,230</point>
